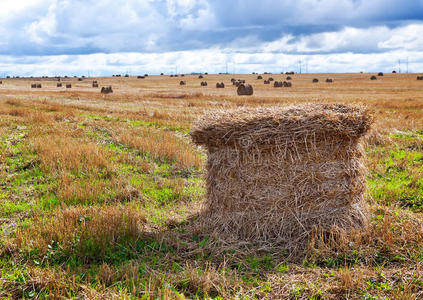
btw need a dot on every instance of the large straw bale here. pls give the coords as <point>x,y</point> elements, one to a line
<point>276,174</point>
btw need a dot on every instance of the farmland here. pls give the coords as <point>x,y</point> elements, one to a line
<point>99,193</point>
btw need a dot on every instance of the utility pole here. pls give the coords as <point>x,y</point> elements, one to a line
<point>399,65</point>
<point>407,64</point>
<point>299,63</point>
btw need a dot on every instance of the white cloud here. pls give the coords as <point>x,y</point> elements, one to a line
<point>211,60</point>
<point>349,39</point>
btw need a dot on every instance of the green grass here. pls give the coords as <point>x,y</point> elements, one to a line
<point>168,259</point>
<point>397,180</point>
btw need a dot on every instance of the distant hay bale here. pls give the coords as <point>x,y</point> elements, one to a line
<point>106,90</point>
<point>278,84</point>
<point>276,174</point>
<point>245,90</point>
<point>126,75</point>
<point>287,84</point>
<point>39,85</point>
<point>79,79</point>
<point>142,77</point>
<point>95,85</point>
<point>220,85</point>
<point>33,86</point>
<point>182,75</point>
<point>315,80</point>
<point>1,82</point>
<point>394,72</point>
<point>373,77</point>
<point>68,85</point>
<point>161,74</point>
<point>419,77</point>
<point>203,83</point>
<point>201,76</point>
<point>259,77</point>
<point>266,82</point>
<point>329,80</point>
<point>171,75</point>
<point>380,74</point>
<point>270,79</point>
<point>233,79</point>
<point>59,84</point>
<point>182,82</point>
<point>288,78</point>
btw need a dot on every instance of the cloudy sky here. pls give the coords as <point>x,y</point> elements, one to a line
<point>104,37</point>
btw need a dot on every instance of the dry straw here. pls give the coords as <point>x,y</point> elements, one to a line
<point>276,174</point>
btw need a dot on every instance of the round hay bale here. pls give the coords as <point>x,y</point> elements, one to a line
<point>259,77</point>
<point>68,85</point>
<point>106,90</point>
<point>394,72</point>
<point>95,85</point>
<point>276,174</point>
<point>171,75</point>
<point>161,74</point>
<point>419,77</point>
<point>79,79</point>
<point>182,82</point>
<point>380,74</point>
<point>220,85</point>
<point>38,85</point>
<point>266,82</point>
<point>245,90</point>
<point>126,75</point>
<point>200,77</point>
<point>329,80</point>
<point>142,77</point>
<point>373,77</point>
<point>1,82</point>
<point>270,79</point>
<point>278,84</point>
<point>33,86</point>
<point>59,84</point>
<point>204,83</point>
<point>233,79</point>
<point>288,78</point>
<point>287,84</point>
<point>315,80</point>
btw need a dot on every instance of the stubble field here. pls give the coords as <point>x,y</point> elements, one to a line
<point>99,193</point>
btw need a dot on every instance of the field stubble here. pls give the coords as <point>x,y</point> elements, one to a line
<point>99,194</point>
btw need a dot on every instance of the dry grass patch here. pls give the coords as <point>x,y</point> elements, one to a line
<point>161,144</point>
<point>89,234</point>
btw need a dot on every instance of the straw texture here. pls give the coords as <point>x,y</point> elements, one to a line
<point>276,174</point>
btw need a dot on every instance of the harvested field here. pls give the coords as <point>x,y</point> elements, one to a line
<point>102,194</point>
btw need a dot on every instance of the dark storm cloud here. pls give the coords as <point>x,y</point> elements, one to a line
<point>52,27</point>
